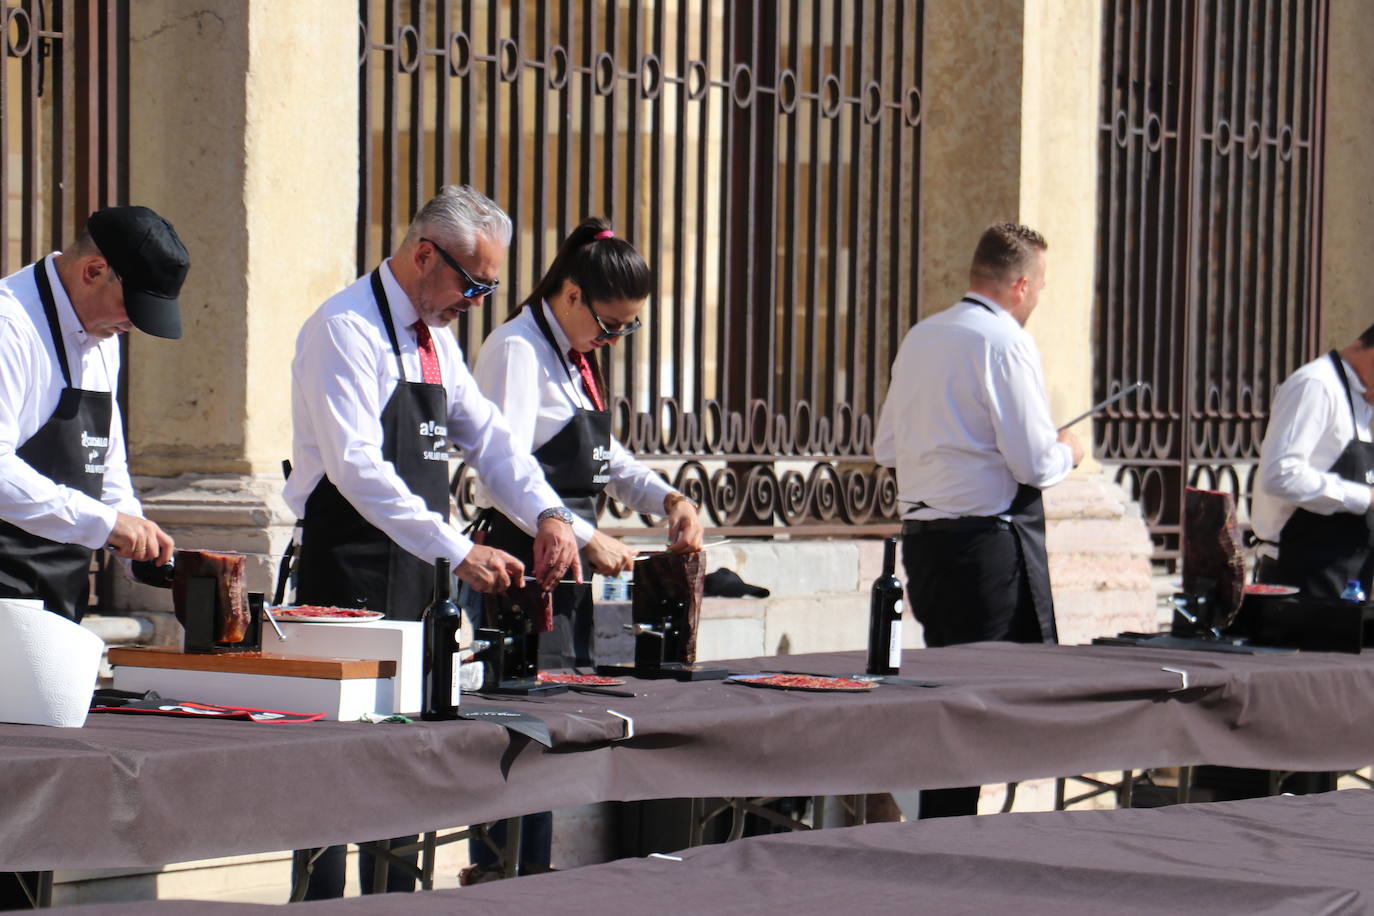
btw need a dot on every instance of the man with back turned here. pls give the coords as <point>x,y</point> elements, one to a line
<point>967,426</point>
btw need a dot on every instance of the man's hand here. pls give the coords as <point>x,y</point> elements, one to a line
<point>555,552</point>
<point>139,539</point>
<point>1071,441</point>
<point>490,570</point>
<point>684,528</point>
<point>609,556</point>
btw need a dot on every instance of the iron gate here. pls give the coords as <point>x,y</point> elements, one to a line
<point>1209,206</point>
<point>764,158</point>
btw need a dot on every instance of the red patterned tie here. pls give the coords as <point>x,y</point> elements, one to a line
<point>584,368</point>
<point>429,360</point>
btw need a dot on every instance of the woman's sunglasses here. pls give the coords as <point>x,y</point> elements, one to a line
<point>608,333</point>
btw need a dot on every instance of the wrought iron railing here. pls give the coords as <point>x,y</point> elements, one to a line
<point>764,156</point>
<point>1208,236</point>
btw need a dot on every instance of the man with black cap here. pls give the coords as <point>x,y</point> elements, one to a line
<point>64,478</point>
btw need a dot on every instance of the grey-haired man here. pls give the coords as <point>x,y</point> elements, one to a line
<point>378,391</point>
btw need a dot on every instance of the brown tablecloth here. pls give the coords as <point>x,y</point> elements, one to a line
<point>128,791</point>
<point>1309,854</point>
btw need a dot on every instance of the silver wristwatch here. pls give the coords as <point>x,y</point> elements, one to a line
<point>559,512</point>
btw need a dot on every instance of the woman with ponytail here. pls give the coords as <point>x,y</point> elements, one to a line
<point>541,369</point>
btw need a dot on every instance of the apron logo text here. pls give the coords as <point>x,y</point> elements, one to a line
<point>433,428</point>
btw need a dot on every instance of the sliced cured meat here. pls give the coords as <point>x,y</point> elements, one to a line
<point>315,611</point>
<point>581,680</point>
<point>802,682</point>
<point>1259,588</point>
<point>231,593</point>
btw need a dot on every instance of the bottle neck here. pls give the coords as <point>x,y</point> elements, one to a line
<point>442,581</point>
<point>889,556</point>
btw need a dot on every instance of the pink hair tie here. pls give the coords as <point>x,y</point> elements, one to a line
<point>605,234</point>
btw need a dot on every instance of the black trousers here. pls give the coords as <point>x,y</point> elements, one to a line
<point>328,876</point>
<point>966,582</point>
<point>536,842</point>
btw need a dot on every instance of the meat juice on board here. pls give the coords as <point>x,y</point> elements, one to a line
<point>442,621</point>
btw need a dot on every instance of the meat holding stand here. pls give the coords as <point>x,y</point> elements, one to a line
<point>509,649</point>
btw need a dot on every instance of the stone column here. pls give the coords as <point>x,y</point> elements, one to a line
<point>243,133</point>
<point>1348,199</point>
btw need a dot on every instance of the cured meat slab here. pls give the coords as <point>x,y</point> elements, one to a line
<point>1212,558</point>
<point>231,594</point>
<point>672,580</point>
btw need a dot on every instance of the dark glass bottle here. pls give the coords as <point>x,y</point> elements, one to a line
<point>442,619</point>
<point>885,617</point>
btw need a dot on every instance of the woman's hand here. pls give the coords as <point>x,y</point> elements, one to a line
<point>685,533</point>
<point>609,556</point>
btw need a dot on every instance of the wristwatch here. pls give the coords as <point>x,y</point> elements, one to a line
<point>562,513</point>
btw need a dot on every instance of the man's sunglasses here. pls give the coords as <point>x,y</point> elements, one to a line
<point>472,288</point>
<point>624,330</point>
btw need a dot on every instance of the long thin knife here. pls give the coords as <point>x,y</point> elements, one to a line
<point>1107,403</point>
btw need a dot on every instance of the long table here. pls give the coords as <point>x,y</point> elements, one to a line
<point>1309,854</point>
<point>144,791</point>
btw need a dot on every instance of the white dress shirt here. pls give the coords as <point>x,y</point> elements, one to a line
<point>341,379</point>
<point>537,393</point>
<point>30,385</point>
<point>1309,427</point>
<point>966,418</point>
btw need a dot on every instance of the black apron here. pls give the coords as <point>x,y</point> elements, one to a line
<point>1027,515</point>
<point>1319,554</point>
<point>575,465</point>
<point>346,561</point>
<point>70,449</point>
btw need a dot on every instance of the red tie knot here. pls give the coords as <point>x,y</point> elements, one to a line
<point>429,359</point>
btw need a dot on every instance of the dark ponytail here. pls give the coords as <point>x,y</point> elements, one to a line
<point>605,269</point>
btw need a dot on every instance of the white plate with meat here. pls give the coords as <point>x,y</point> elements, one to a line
<point>312,614</point>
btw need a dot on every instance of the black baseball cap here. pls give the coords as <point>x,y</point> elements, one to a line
<point>142,248</point>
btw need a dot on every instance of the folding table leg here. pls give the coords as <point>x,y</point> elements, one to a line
<point>36,887</point>
<point>696,815</point>
<point>510,856</point>
<point>427,847</point>
<point>818,812</point>
<point>380,864</point>
<point>737,822</point>
<point>1185,785</point>
<point>302,864</point>
<point>1126,794</point>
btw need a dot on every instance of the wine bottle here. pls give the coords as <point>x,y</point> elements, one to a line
<point>442,620</point>
<point>885,617</point>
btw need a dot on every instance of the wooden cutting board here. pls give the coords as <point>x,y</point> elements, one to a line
<point>335,669</point>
